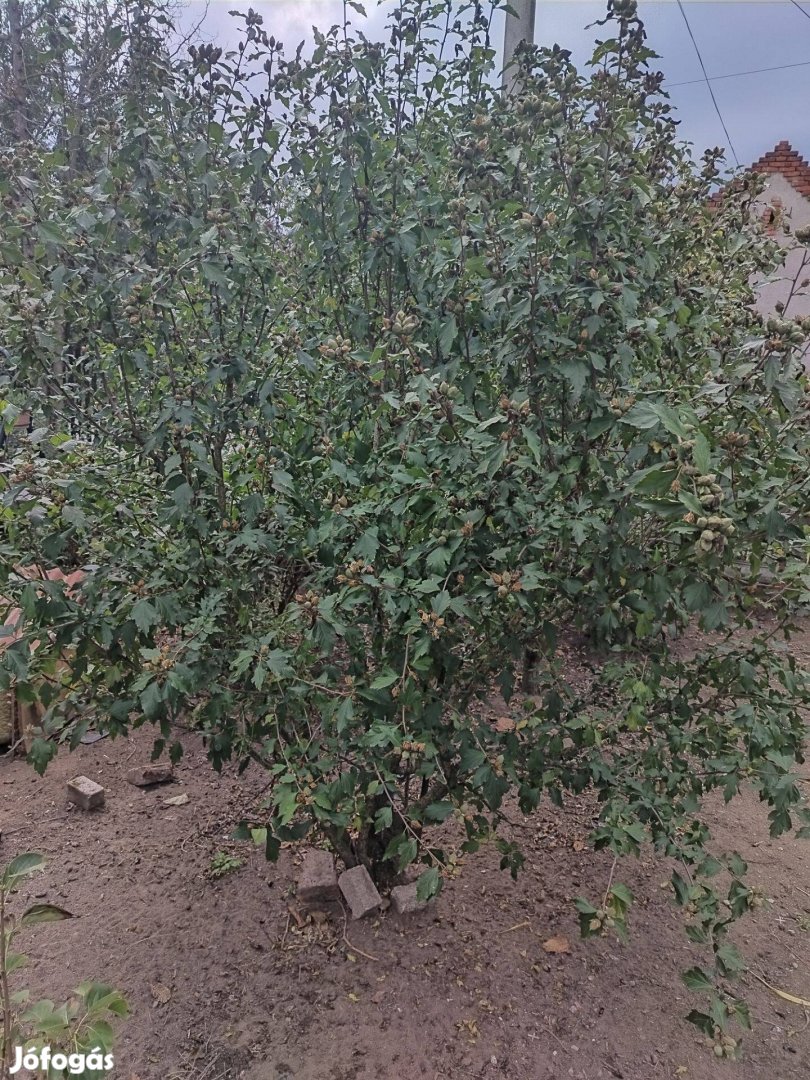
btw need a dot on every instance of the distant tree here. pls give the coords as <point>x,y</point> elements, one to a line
<point>64,63</point>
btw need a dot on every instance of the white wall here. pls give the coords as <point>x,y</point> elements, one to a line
<point>795,211</point>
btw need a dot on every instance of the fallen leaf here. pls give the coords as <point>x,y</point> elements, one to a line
<point>517,926</point>
<point>557,945</point>
<point>504,724</point>
<point>300,920</point>
<point>783,994</point>
<point>162,994</point>
<point>471,1027</point>
<point>39,913</point>
<point>176,800</point>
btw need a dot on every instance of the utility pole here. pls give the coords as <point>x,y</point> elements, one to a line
<point>519,27</point>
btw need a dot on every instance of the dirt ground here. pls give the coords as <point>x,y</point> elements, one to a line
<point>223,984</point>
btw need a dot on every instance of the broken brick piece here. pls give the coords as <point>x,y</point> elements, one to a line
<point>147,775</point>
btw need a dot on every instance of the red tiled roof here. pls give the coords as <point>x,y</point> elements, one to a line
<point>786,161</point>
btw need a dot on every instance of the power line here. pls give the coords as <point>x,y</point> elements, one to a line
<point>801,9</point>
<point>708,83</point>
<point>739,74</point>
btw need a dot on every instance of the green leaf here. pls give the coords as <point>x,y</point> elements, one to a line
<point>74,515</point>
<point>50,233</point>
<point>40,913</point>
<point>656,480</point>
<point>729,959</point>
<point>702,1021</point>
<point>214,273</point>
<point>576,373</point>
<point>622,894</point>
<point>388,678</point>
<point>151,699</point>
<point>698,979</point>
<point>702,453</point>
<point>369,544</point>
<point>15,961</point>
<point>20,868</point>
<point>438,560</point>
<point>697,596</point>
<point>41,753</point>
<point>441,602</point>
<point>183,496</point>
<point>643,415</point>
<point>428,884</point>
<point>447,335</point>
<point>101,998</point>
<point>145,616</point>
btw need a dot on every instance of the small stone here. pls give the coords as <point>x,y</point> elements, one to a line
<point>404,900</point>
<point>360,891</point>
<point>317,882</point>
<point>85,793</point>
<point>91,737</point>
<point>147,775</point>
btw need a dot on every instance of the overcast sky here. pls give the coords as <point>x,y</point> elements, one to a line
<point>759,109</point>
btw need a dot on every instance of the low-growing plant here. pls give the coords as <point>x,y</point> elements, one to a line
<point>79,1028</point>
<point>223,863</point>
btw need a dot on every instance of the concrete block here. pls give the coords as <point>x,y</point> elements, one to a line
<point>85,793</point>
<point>317,882</point>
<point>359,891</point>
<point>404,900</point>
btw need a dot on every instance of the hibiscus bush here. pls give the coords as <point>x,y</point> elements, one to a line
<point>358,390</point>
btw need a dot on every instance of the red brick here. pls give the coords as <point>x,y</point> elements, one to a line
<point>784,161</point>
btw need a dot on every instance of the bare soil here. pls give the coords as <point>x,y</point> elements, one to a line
<point>223,983</point>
